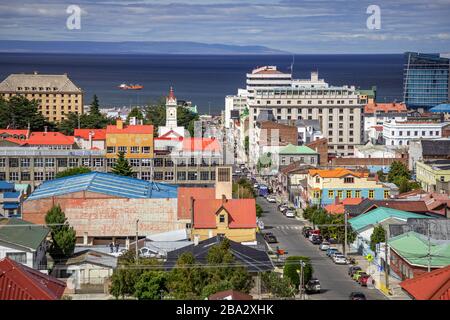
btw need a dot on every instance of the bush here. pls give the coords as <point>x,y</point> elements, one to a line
<point>291,266</point>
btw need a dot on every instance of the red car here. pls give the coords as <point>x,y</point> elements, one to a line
<point>363,280</point>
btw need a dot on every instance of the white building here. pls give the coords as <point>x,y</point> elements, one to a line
<point>171,117</point>
<point>336,108</point>
<point>370,150</point>
<point>401,133</point>
<point>23,242</point>
<point>234,106</point>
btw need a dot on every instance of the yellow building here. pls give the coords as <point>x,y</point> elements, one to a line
<point>56,95</point>
<point>232,218</point>
<point>434,175</point>
<point>135,140</point>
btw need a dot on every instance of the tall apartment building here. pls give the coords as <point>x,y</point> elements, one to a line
<point>57,95</point>
<point>337,109</point>
<point>426,80</point>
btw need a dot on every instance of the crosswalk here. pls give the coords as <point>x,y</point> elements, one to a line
<point>288,227</point>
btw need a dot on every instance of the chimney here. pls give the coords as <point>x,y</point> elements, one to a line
<point>119,123</point>
<point>91,134</point>
<point>45,129</point>
<point>28,131</point>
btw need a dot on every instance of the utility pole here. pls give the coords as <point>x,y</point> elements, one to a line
<point>429,246</point>
<point>386,264</point>
<point>300,289</point>
<point>137,235</point>
<point>345,234</point>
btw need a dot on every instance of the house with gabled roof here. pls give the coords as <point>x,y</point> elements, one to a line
<point>434,285</point>
<point>24,242</point>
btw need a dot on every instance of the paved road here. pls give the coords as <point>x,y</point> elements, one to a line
<point>335,282</point>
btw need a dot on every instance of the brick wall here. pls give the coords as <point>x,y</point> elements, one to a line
<point>321,147</point>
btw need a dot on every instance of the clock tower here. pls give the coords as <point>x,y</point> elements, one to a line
<point>171,110</point>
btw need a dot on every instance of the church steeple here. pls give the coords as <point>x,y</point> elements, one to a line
<point>171,110</point>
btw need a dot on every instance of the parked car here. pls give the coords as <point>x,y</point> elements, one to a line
<point>270,238</point>
<point>305,231</point>
<point>283,208</point>
<point>271,199</point>
<point>324,246</point>
<point>316,239</point>
<point>352,270</point>
<point>313,286</point>
<point>364,279</point>
<point>330,251</point>
<point>256,186</point>
<point>358,275</point>
<point>335,253</point>
<point>357,296</point>
<point>339,259</point>
<point>290,213</point>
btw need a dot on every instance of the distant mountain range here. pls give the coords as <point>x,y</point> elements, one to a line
<point>131,47</point>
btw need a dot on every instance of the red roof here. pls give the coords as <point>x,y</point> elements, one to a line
<point>335,208</point>
<point>201,144</point>
<point>351,201</point>
<point>433,285</point>
<point>384,107</point>
<point>13,131</point>
<point>49,138</point>
<point>19,282</point>
<point>184,197</point>
<point>242,213</point>
<point>99,134</point>
<point>136,129</point>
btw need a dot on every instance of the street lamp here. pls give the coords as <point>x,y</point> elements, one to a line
<point>302,279</point>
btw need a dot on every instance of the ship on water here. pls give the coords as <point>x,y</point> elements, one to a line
<point>125,86</point>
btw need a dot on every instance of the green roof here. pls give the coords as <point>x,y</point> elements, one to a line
<point>26,234</point>
<point>380,214</point>
<point>291,149</point>
<point>413,247</point>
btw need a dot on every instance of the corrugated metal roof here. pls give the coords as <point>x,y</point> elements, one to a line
<point>19,282</point>
<point>24,234</point>
<point>105,183</point>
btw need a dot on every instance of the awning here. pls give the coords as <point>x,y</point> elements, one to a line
<point>10,206</point>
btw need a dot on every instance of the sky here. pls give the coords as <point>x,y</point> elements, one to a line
<point>296,26</point>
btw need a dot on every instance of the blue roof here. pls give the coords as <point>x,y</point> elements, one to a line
<point>10,205</point>
<point>10,195</point>
<point>105,183</point>
<point>443,107</point>
<point>6,185</point>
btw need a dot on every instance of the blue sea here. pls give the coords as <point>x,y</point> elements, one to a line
<point>203,79</point>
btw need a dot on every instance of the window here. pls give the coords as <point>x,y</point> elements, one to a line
<point>111,149</point>
<point>168,175</point>
<point>61,162</point>
<point>158,162</point>
<point>357,193</point>
<point>349,180</point>
<point>222,218</point>
<point>145,149</point>
<point>386,194</point>
<point>181,175</point>
<point>192,175</point>
<point>86,162</point>
<point>134,149</point>
<point>73,162</point>
<point>14,176</point>
<point>158,175</point>
<point>134,162</point>
<point>2,162</point>
<point>146,175</point>
<point>39,176</point>
<point>146,162</point>
<point>122,149</point>
<point>204,175</point>
<point>49,162</point>
<point>371,194</point>
<point>224,175</point>
<point>317,179</point>
<point>110,162</point>
<point>49,175</point>
<point>25,176</point>
<point>20,257</point>
<point>330,194</point>
<point>339,194</point>
<point>39,162</point>
<point>349,194</point>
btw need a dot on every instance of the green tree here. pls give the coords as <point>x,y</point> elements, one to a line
<point>128,272</point>
<point>63,235</point>
<point>186,280</point>
<point>280,287</point>
<point>378,236</point>
<point>122,167</point>
<point>72,172</point>
<point>18,112</point>
<point>398,171</point>
<point>259,211</point>
<point>136,113</point>
<point>246,144</point>
<point>95,106</point>
<point>151,285</point>
<point>291,267</point>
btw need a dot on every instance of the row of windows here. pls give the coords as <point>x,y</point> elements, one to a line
<point>125,149</point>
<point>409,133</point>
<point>307,102</point>
<point>183,175</point>
<point>353,194</point>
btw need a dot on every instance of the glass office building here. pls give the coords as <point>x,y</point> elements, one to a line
<point>426,80</point>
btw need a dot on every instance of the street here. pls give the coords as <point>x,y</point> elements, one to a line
<point>335,282</point>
